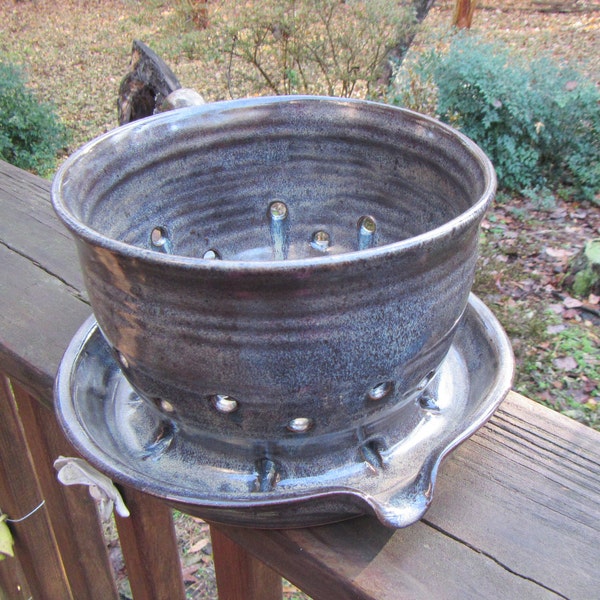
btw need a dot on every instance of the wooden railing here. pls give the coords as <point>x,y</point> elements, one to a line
<point>516,512</point>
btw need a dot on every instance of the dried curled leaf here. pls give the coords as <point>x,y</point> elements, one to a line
<point>73,471</point>
<point>6,539</point>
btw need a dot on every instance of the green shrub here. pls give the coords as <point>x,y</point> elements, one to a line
<point>538,121</point>
<point>30,132</point>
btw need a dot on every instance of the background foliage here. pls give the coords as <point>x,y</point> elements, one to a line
<point>31,133</point>
<point>322,47</point>
<point>538,120</point>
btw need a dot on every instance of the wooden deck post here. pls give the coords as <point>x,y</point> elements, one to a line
<point>20,493</point>
<point>72,511</point>
<point>150,548</point>
<point>240,576</point>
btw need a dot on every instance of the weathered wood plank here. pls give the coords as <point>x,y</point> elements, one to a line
<point>526,492</point>
<point>150,548</point>
<point>71,510</point>
<point>40,282</point>
<point>13,583</point>
<point>505,523</point>
<point>38,317</point>
<point>20,493</point>
<point>240,576</point>
<point>30,228</point>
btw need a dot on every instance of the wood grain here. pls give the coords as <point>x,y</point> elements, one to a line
<point>71,510</point>
<point>29,226</point>
<point>150,548</point>
<point>514,515</point>
<point>38,317</point>
<point>20,493</point>
<point>13,583</point>
<point>240,576</point>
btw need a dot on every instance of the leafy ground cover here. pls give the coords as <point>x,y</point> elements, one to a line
<point>76,53</point>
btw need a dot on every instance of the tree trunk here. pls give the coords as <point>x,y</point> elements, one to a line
<point>396,55</point>
<point>199,13</point>
<point>462,16</point>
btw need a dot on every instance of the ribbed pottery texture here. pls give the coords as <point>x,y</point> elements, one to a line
<point>277,269</point>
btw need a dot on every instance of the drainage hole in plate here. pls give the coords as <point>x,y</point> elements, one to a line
<point>381,390</point>
<point>224,404</point>
<point>300,424</point>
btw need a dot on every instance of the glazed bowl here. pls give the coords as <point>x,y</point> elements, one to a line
<point>278,272</point>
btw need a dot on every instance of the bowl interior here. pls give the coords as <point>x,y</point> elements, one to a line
<point>273,179</point>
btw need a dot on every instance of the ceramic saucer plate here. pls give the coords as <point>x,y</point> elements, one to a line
<point>127,439</point>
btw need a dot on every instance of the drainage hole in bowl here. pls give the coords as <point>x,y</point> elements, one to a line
<point>381,390</point>
<point>211,254</point>
<point>267,475</point>
<point>159,239</point>
<point>300,425</point>
<point>224,404</point>
<point>166,406</point>
<point>277,210</point>
<point>122,359</point>
<point>320,240</point>
<point>367,228</point>
<point>371,453</point>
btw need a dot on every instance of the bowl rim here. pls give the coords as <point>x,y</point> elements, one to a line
<point>86,233</point>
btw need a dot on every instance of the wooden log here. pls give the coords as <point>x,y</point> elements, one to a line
<point>240,576</point>
<point>146,85</point>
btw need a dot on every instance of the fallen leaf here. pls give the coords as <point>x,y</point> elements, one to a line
<point>593,299</point>
<point>6,539</point>
<point>565,363</point>
<point>198,545</point>
<point>579,214</point>
<point>572,302</point>
<point>560,253</point>
<point>188,574</point>
<point>556,308</point>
